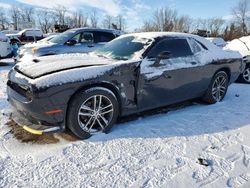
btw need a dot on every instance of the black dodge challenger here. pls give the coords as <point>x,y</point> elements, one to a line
<point>136,72</point>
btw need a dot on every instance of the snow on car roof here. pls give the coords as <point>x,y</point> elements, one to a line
<point>154,35</point>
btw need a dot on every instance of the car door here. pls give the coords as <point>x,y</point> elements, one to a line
<point>83,43</point>
<point>171,80</point>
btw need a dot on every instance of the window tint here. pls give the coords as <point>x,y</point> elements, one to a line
<point>103,37</point>
<point>196,47</point>
<point>177,47</point>
<point>85,37</point>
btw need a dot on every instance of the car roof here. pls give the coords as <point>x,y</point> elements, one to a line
<point>96,29</point>
<point>155,35</point>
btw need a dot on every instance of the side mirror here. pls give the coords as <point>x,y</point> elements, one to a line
<point>161,56</point>
<point>71,42</point>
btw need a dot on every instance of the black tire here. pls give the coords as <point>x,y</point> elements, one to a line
<point>82,104</point>
<point>14,41</point>
<point>209,95</point>
<point>245,76</point>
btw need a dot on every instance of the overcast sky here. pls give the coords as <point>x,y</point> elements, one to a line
<point>136,11</point>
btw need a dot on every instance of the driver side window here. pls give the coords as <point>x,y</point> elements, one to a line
<point>77,38</point>
<point>176,47</point>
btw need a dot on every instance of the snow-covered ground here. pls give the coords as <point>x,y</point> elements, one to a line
<point>198,145</point>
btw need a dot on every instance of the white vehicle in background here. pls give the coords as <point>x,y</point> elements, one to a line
<point>242,45</point>
<point>26,36</point>
<point>23,49</point>
<point>5,47</point>
<point>220,42</point>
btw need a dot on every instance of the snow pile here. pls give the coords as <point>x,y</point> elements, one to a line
<point>199,145</point>
<point>242,45</point>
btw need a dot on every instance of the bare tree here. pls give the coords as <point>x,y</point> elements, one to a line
<point>120,23</point>
<point>107,22</point>
<point>93,18</point>
<point>3,19</point>
<point>147,27</point>
<point>27,16</point>
<point>79,19</point>
<point>15,16</point>
<point>216,26</point>
<point>240,12</point>
<point>183,24</point>
<point>166,19</point>
<point>46,20</point>
<point>60,13</point>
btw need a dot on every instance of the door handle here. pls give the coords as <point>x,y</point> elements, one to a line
<point>194,63</point>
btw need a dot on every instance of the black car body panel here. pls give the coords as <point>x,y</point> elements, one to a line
<point>136,89</point>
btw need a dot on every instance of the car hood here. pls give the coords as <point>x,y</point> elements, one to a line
<point>35,68</point>
<point>38,45</point>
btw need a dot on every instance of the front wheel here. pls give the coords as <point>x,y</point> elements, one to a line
<point>91,111</point>
<point>245,76</point>
<point>217,88</point>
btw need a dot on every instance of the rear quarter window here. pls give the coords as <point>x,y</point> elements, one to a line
<point>103,37</point>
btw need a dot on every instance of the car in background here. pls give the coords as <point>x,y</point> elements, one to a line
<point>80,40</point>
<point>26,36</point>
<point>10,31</point>
<point>220,42</point>
<point>133,73</point>
<point>242,45</point>
<point>23,49</point>
<point>5,47</point>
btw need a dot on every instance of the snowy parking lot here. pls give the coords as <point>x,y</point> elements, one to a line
<point>192,146</point>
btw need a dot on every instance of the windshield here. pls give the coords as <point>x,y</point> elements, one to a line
<point>124,48</point>
<point>61,38</point>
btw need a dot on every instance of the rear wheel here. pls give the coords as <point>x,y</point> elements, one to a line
<point>92,111</point>
<point>245,76</point>
<point>217,88</point>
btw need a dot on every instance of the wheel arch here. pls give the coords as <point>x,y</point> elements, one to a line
<point>114,89</point>
<point>226,70</point>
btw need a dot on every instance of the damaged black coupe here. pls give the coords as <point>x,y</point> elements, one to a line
<point>133,73</point>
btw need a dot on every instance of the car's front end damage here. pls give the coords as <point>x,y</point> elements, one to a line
<point>43,112</point>
<point>40,90</point>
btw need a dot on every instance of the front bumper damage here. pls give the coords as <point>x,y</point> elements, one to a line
<point>32,126</point>
<point>29,115</point>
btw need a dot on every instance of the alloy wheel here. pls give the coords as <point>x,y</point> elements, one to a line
<point>246,75</point>
<point>219,88</point>
<point>95,114</point>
